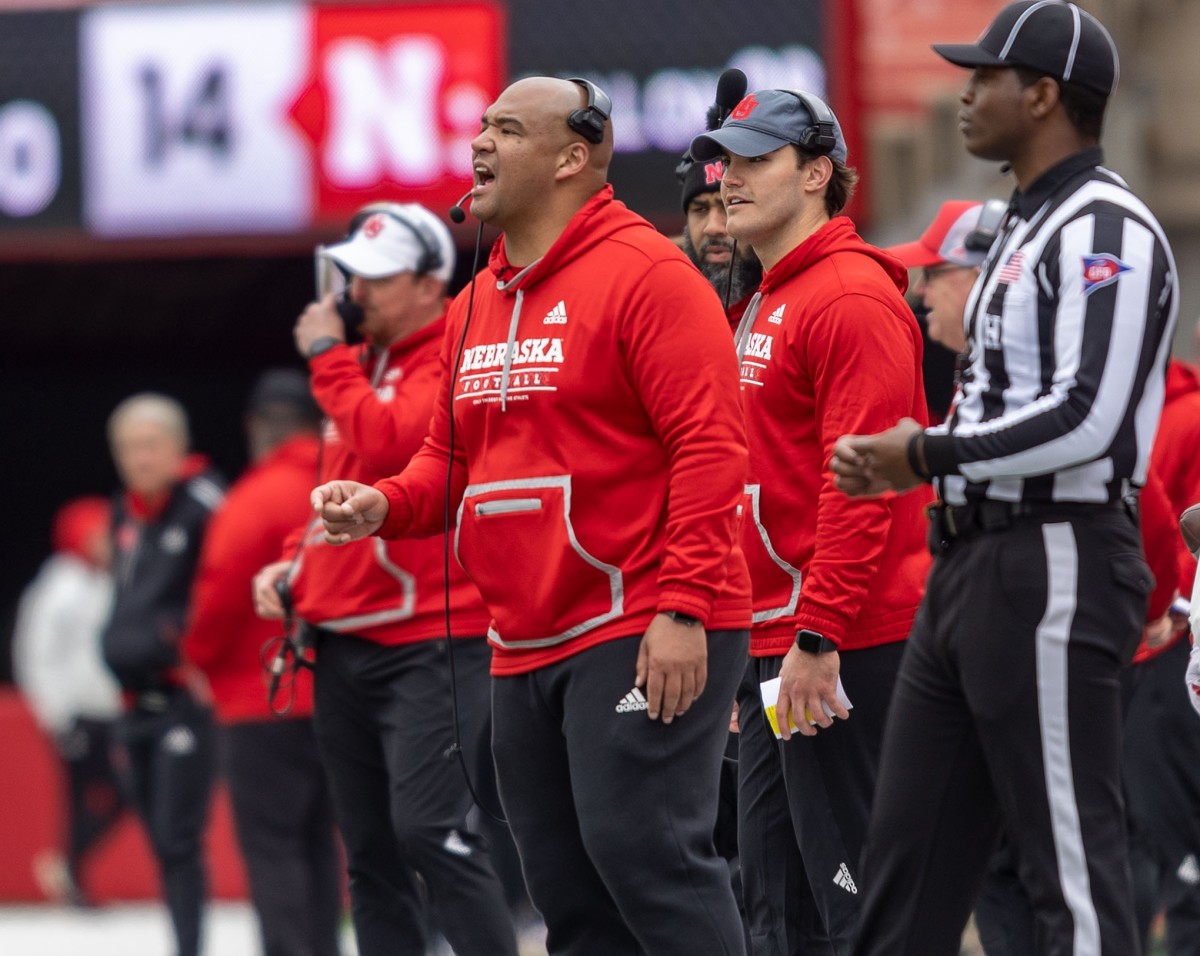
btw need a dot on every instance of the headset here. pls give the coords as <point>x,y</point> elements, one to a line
<point>820,137</point>
<point>588,121</point>
<point>431,252</point>
<point>991,219</point>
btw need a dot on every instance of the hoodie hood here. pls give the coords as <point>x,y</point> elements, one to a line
<point>1182,379</point>
<point>598,219</point>
<point>836,236</point>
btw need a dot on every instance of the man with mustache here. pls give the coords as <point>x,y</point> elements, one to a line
<point>707,242</point>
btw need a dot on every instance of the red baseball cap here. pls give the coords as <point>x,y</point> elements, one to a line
<point>929,250</point>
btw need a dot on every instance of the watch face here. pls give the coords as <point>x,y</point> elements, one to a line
<point>813,643</point>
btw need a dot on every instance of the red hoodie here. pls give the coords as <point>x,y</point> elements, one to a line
<point>600,454</point>
<point>1160,538</point>
<point>391,592</point>
<point>1176,453</point>
<point>829,349</point>
<point>225,637</point>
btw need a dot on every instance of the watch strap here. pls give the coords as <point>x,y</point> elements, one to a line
<point>322,345</point>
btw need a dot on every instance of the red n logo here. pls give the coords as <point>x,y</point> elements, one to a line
<point>744,108</point>
<point>713,172</point>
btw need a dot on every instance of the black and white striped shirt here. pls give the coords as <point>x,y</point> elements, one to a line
<point>1070,328</point>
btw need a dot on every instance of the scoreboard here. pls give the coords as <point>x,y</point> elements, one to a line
<point>277,118</point>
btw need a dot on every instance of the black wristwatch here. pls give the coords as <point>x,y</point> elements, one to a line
<point>813,643</point>
<point>322,345</point>
<point>680,618</point>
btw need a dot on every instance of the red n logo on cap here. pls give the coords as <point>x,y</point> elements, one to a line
<point>713,172</point>
<point>744,108</point>
<point>373,226</point>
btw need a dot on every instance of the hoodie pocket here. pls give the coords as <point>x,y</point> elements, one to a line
<point>517,542</point>
<point>776,583</point>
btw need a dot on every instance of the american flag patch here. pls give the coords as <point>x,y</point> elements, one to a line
<point>1010,272</point>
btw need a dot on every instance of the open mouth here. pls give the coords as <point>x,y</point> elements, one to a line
<point>484,177</point>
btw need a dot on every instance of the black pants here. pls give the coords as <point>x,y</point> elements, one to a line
<point>171,744</point>
<point>613,813</point>
<point>1008,707</point>
<point>94,798</point>
<point>384,724</point>
<point>284,820</point>
<point>1162,773</point>
<point>804,806</point>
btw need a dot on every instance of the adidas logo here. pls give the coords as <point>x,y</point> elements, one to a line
<point>776,317</point>
<point>843,879</point>
<point>179,740</point>
<point>557,315</point>
<point>456,844</point>
<point>632,701</point>
<point>1189,870</point>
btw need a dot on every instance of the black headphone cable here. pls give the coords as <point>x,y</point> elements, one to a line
<point>455,750</point>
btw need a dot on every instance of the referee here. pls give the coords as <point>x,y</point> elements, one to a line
<point>1007,706</point>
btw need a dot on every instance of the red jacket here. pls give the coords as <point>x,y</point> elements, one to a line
<point>225,637</point>
<point>829,349</point>
<point>1176,453</point>
<point>378,408</point>
<point>1160,538</point>
<point>599,449</point>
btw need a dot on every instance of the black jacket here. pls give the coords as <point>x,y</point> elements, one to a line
<point>154,562</point>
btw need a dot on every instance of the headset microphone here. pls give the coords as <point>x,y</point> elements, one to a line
<point>731,89</point>
<point>457,214</point>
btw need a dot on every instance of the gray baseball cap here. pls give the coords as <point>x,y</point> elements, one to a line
<point>765,120</point>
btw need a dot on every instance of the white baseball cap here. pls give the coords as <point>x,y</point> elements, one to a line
<point>389,238</point>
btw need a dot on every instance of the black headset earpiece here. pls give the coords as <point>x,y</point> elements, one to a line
<point>588,121</point>
<point>820,138</point>
<point>431,253</point>
<point>987,226</point>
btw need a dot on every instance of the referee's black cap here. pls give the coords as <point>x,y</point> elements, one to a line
<point>1050,36</point>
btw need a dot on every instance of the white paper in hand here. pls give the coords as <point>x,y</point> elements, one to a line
<point>770,697</point>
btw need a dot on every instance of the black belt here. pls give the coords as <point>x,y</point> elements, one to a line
<point>950,522</point>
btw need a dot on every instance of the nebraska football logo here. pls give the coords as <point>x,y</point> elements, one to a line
<point>713,172</point>
<point>744,108</point>
<point>1101,270</point>
<point>373,226</point>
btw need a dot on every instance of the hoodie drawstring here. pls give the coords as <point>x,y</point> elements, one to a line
<point>509,349</point>
<point>747,323</point>
<point>506,372</point>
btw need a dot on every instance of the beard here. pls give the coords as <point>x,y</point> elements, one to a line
<point>747,270</point>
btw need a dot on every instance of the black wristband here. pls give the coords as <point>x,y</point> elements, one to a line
<point>680,618</point>
<point>914,449</point>
<point>322,345</point>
